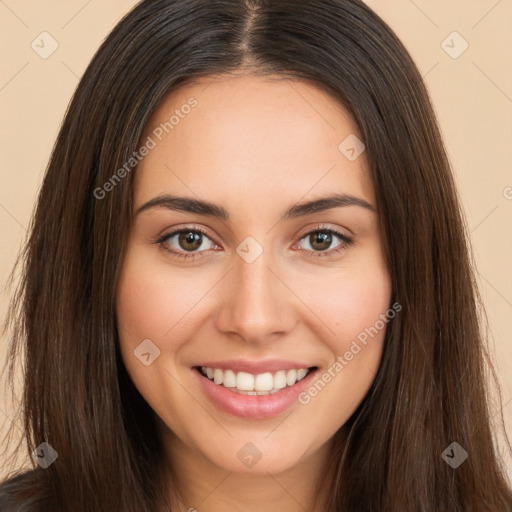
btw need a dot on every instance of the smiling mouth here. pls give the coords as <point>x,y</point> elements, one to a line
<point>250,384</point>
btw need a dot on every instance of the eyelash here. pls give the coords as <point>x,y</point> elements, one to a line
<point>346,241</point>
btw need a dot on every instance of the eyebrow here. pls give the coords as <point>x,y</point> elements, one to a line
<point>190,205</point>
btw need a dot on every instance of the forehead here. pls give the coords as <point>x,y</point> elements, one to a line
<point>226,137</point>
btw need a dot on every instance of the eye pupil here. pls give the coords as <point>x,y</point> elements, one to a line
<point>320,240</point>
<point>190,240</point>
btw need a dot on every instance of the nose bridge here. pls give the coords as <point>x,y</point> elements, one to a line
<point>255,304</point>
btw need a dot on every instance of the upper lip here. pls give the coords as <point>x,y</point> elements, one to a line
<point>255,367</point>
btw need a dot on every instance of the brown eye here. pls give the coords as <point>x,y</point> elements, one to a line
<point>190,240</point>
<point>325,242</point>
<point>186,241</point>
<point>320,240</point>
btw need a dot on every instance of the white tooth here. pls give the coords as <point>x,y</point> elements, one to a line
<point>264,382</point>
<point>291,377</point>
<point>229,379</point>
<point>261,384</point>
<point>251,392</point>
<point>245,381</point>
<point>280,379</point>
<point>218,376</point>
<point>301,373</point>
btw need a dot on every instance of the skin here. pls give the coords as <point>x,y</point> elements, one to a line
<point>255,146</point>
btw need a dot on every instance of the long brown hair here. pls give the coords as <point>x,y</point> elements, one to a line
<point>430,390</point>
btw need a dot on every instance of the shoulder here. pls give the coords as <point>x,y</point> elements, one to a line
<point>19,492</point>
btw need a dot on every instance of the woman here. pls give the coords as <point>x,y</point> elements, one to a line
<point>249,278</point>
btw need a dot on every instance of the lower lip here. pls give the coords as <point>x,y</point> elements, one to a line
<point>253,406</point>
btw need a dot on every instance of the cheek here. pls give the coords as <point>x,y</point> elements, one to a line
<point>352,302</point>
<point>353,305</point>
<point>358,304</point>
<point>150,306</point>
<point>355,309</point>
<point>144,308</point>
<point>151,301</point>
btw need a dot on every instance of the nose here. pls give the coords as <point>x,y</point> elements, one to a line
<point>256,304</point>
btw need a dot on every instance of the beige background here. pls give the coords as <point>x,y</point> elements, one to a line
<point>472,95</point>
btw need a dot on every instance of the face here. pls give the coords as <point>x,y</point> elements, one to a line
<point>254,273</point>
